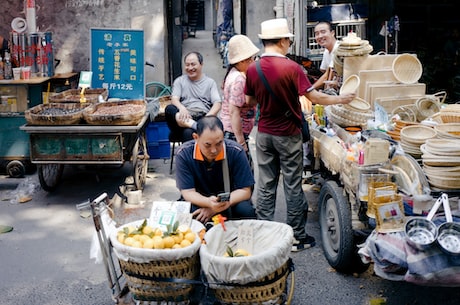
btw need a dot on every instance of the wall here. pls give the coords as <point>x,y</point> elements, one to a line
<point>70,22</point>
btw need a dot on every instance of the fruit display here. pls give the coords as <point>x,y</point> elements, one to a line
<point>238,253</point>
<point>147,237</point>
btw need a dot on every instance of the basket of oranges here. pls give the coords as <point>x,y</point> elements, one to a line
<point>158,265</point>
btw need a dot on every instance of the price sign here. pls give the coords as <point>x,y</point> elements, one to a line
<point>117,62</point>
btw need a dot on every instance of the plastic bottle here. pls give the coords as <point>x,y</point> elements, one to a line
<point>8,68</point>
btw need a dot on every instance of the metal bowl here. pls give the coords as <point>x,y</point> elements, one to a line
<point>421,233</point>
<point>449,238</point>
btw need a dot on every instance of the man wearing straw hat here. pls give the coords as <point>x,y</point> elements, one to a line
<point>276,84</point>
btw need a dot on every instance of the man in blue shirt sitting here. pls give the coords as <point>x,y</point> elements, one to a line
<point>200,173</point>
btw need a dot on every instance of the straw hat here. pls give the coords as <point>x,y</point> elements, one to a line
<point>274,29</point>
<point>240,47</point>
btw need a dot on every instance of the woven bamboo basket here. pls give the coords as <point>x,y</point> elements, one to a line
<point>125,112</point>
<point>160,275</point>
<point>254,279</point>
<point>407,69</point>
<point>427,106</point>
<point>149,281</point>
<point>74,95</point>
<point>271,288</point>
<point>55,114</point>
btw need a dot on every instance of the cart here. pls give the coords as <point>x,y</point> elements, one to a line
<point>343,215</point>
<point>104,213</point>
<point>54,146</point>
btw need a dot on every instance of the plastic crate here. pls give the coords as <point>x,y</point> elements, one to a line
<point>159,149</point>
<point>157,131</point>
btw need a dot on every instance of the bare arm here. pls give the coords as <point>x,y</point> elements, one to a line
<point>215,108</point>
<point>236,125</point>
<point>325,99</point>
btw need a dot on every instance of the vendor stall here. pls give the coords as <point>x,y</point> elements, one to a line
<point>87,133</point>
<point>385,159</point>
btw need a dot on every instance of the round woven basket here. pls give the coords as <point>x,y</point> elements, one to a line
<point>448,130</point>
<point>55,114</point>
<point>161,275</point>
<point>150,281</point>
<point>350,85</point>
<point>417,134</point>
<point>427,106</point>
<point>407,69</point>
<point>254,279</point>
<point>271,288</point>
<point>124,112</point>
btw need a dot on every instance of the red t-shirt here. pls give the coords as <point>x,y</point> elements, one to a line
<point>288,82</point>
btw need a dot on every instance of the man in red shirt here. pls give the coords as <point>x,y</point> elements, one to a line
<point>279,139</point>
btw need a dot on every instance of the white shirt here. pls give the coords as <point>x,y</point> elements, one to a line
<point>327,61</point>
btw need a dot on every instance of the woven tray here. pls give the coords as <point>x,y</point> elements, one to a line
<point>407,69</point>
<point>55,114</point>
<point>128,112</point>
<point>73,96</point>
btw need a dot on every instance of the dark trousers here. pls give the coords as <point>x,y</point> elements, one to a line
<point>180,133</point>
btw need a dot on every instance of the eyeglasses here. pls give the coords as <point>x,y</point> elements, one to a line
<point>290,41</point>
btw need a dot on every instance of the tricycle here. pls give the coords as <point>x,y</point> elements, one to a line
<point>351,237</point>
<point>53,146</point>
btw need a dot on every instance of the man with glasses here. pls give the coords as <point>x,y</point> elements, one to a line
<point>276,83</point>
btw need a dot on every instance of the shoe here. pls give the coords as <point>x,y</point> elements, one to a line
<point>303,244</point>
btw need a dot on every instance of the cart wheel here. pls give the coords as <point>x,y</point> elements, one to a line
<point>16,169</point>
<point>50,175</point>
<point>336,230</point>
<point>140,162</point>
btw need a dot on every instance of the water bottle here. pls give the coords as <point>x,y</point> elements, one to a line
<point>8,68</point>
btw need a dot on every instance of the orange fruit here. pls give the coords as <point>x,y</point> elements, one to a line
<point>169,241</point>
<point>185,243</point>
<point>190,236</point>
<point>158,242</point>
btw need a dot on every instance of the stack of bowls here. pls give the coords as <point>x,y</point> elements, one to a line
<point>450,113</point>
<point>441,162</point>
<point>412,137</point>
<point>448,130</point>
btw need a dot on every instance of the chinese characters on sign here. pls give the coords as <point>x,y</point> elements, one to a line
<point>117,62</point>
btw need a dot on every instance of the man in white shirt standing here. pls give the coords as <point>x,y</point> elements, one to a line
<point>325,37</point>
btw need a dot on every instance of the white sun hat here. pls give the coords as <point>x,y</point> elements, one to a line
<point>274,29</point>
<point>240,47</point>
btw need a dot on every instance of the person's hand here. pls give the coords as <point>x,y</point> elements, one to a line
<point>183,115</point>
<point>346,98</point>
<point>218,206</point>
<point>203,214</point>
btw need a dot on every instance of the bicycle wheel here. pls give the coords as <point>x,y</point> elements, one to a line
<point>157,89</point>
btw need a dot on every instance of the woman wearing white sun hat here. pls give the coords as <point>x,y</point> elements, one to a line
<point>237,116</point>
<point>279,138</point>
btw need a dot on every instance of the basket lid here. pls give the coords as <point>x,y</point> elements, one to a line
<point>407,68</point>
<point>350,85</point>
